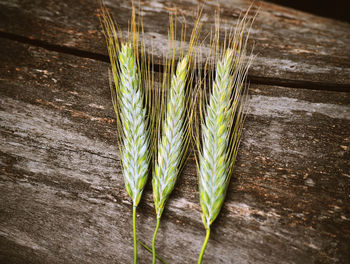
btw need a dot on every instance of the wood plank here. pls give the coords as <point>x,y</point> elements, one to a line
<point>62,197</point>
<point>293,48</point>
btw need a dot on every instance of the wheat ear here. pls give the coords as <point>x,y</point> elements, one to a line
<point>128,97</point>
<point>174,133</point>
<point>221,126</point>
<point>136,152</point>
<point>173,143</point>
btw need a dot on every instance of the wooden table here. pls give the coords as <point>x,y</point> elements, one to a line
<point>62,196</point>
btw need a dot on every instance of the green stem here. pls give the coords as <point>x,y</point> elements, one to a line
<point>154,241</point>
<point>204,246</point>
<point>134,233</point>
<point>150,250</point>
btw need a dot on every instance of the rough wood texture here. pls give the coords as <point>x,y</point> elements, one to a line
<point>62,197</point>
<point>294,48</point>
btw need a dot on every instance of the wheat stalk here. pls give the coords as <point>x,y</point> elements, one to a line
<point>221,124</point>
<point>129,99</point>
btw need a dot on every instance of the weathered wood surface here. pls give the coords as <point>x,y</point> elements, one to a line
<point>294,48</point>
<point>62,197</point>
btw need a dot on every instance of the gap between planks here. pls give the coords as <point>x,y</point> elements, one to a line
<point>159,68</point>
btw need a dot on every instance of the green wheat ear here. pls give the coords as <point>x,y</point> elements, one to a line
<point>135,152</point>
<point>174,138</point>
<point>174,124</point>
<point>130,76</point>
<point>221,123</point>
<point>172,144</point>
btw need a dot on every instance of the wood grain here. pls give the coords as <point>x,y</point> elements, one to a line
<point>63,198</point>
<point>293,48</point>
